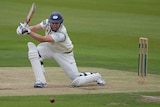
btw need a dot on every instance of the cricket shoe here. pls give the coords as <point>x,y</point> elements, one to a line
<point>100,81</point>
<point>39,85</point>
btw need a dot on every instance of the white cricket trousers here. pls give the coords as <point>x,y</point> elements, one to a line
<point>65,60</point>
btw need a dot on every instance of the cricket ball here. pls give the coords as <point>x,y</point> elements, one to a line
<point>52,100</point>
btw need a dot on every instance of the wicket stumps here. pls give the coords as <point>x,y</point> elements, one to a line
<point>143,60</point>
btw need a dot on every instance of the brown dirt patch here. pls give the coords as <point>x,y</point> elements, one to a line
<point>151,99</point>
<point>17,81</point>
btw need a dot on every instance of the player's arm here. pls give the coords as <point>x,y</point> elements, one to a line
<point>35,27</point>
<point>41,38</point>
<point>56,37</point>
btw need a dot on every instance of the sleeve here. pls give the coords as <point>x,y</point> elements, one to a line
<point>44,23</point>
<point>58,37</point>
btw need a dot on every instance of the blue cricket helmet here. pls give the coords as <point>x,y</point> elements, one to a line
<point>55,17</point>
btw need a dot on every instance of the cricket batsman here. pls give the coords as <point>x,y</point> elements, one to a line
<point>55,45</point>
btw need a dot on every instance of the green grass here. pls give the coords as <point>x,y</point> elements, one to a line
<point>105,33</point>
<point>82,100</point>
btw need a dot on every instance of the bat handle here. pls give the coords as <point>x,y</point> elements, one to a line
<point>27,21</point>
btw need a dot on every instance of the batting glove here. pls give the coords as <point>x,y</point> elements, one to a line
<point>22,29</point>
<point>19,30</point>
<point>25,31</point>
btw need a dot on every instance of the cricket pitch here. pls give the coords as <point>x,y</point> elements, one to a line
<point>19,81</point>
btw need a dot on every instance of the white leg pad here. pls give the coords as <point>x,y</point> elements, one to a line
<point>81,80</point>
<point>35,62</point>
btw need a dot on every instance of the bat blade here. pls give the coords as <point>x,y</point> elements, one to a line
<point>31,12</point>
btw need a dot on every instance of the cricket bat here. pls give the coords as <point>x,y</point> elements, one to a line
<point>31,12</point>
